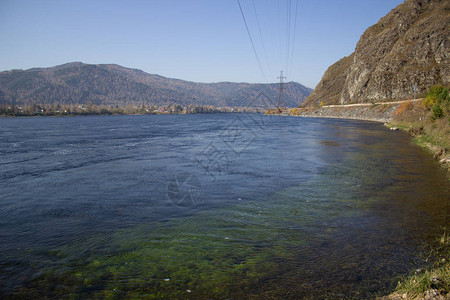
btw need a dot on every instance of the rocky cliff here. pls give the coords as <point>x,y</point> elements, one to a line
<point>406,48</point>
<point>329,90</point>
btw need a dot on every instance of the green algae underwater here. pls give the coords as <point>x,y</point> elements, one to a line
<point>365,217</point>
<point>303,241</point>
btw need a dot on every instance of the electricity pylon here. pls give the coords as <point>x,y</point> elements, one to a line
<point>281,100</point>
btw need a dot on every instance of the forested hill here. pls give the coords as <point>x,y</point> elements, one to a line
<point>109,84</point>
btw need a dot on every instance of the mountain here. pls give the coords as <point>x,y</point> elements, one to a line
<point>329,89</point>
<point>108,84</point>
<point>406,48</point>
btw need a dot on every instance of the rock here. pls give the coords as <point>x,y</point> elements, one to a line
<point>436,283</point>
<point>393,128</point>
<point>438,153</point>
<point>408,47</point>
<point>329,90</point>
<point>428,295</point>
<point>433,295</point>
<point>415,131</point>
<point>445,160</point>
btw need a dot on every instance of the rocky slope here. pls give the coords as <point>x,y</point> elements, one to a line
<point>116,85</point>
<point>329,90</point>
<point>408,47</point>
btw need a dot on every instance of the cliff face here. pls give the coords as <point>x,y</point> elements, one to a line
<point>329,90</point>
<point>407,47</point>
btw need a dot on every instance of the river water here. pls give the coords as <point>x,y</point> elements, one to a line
<point>213,206</point>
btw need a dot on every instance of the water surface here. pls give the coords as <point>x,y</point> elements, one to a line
<point>213,206</point>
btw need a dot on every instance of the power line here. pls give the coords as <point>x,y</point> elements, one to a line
<point>293,39</point>
<point>288,31</point>
<point>280,34</point>
<point>287,27</point>
<point>271,45</point>
<point>260,35</point>
<point>251,40</point>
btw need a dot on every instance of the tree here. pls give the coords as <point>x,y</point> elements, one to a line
<point>436,112</point>
<point>437,94</point>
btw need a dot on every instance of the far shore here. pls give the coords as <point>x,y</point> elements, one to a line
<point>11,112</point>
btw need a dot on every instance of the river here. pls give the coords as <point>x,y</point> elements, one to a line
<point>213,206</point>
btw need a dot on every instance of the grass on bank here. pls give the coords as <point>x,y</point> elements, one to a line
<point>428,121</point>
<point>436,277</point>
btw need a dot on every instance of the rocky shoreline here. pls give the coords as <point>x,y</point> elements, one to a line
<point>387,113</point>
<point>377,112</point>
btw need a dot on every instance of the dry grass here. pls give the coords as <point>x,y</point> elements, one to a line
<point>416,119</point>
<point>436,278</point>
<point>404,107</point>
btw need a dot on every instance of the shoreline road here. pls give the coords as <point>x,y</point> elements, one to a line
<point>369,104</point>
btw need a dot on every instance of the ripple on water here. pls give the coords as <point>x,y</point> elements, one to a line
<point>312,208</point>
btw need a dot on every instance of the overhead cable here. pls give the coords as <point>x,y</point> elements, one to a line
<point>251,40</point>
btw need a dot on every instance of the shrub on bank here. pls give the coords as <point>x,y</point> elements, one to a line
<point>437,94</point>
<point>436,112</point>
<point>436,99</point>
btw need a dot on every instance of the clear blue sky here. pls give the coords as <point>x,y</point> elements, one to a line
<point>196,40</point>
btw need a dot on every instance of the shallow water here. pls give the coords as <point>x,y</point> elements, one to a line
<point>213,206</point>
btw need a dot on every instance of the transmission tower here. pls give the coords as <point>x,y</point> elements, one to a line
<point>281,100</point>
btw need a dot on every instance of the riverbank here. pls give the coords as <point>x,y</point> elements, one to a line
<point>432,283</point>
<point>428,132</point>
<point>408,115</point>
<point>433,135</point>
<point>51,110</point>
<point>379,112</point>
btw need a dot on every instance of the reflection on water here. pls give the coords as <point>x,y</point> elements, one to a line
<point>213,206</point>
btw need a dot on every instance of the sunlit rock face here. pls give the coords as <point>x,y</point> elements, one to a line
<point>406,48</point>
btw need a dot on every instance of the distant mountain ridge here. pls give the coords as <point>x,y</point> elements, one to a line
<point>110,84</point>
<point>408,47</point>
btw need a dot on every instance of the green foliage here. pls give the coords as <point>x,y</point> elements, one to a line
<point>437,94</point>
<point>436,112</point>
<point>436,97</point>
<point>215,255</point>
